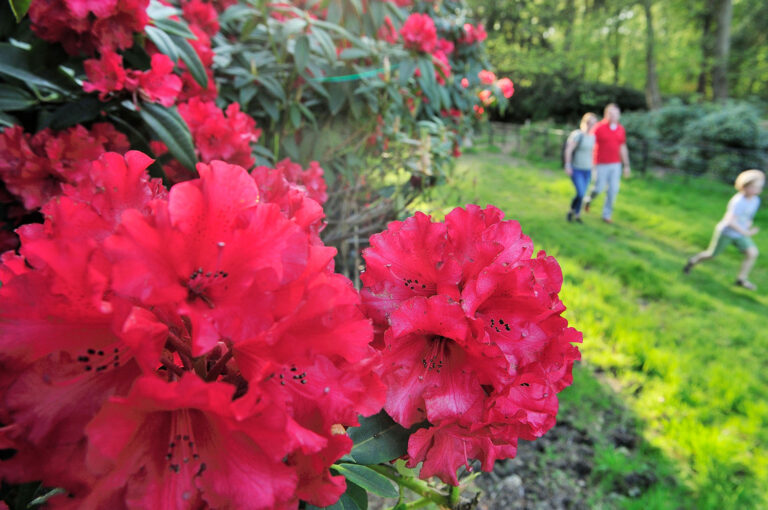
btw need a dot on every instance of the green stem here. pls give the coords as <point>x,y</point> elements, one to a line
<point>414,484</point>
<point>455,496</point>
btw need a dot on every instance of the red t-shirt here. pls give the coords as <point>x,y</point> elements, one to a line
<point>607,142</point>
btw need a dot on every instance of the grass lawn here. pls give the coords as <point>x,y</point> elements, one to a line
<point>687,355</point>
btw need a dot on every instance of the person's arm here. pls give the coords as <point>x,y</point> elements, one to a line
<point>570,146</point>
<point>624,152</point>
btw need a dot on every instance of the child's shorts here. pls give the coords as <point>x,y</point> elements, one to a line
<point>719,242</point>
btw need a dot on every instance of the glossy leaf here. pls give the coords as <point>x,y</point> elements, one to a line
<point>191,59</point>
<point>19,8</point>
<point>14,98</point>
<point>173,27</point>
<point>368,479</point>
<point>163,42</point>
<point>170,128</point>
<point>301,52</point>
<point>378,439</point>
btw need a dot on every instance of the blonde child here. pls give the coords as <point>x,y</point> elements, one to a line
<point>736,226</point>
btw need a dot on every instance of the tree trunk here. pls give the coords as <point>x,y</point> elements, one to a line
<point>570,19</point>
<point>707,45</point>
<point>652,93</point>
<point>722,50</point>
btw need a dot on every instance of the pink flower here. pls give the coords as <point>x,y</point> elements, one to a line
<point>486,77</point>
<point>220,135</point>
<point>470,333</point>
<point>506,86</point>
<point>387,31</point>
<point>159,84</point>
<point>202,15</point>
<point>419,33</point>
<point>464,83</point>
<point>105,75</point>
<point>486,96</point>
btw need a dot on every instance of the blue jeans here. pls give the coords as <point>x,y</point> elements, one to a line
<point>580,180</point>
<point>609,179</point>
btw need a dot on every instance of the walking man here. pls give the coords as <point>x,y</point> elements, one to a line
<point>611,159</point>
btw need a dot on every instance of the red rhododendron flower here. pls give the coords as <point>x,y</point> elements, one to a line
<point>486,77</point>
<point>387,31</point>
<point>83,26</point>
<point>130,364</point>
<point>105,75</point>
<point>471,336</point>
<point>32,167</point>
<point>419,33</point>
<point>311,179</point>
<point>473,34</point>
<point>202,15</point>
<point>464,83</point>
<point>506,86</point>
<point>220,135</point>
<point>486,96</point>
<point>159,84</point>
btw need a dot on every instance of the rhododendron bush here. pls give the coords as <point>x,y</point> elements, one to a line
<point>174,330</point>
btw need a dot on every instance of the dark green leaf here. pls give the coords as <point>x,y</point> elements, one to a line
<point>295,115</point>
<point>272,85</point>
<point>368,479</point>
<point>269,105</point>
<point>172,27</point>
<point>378,439</point>
<point>301,52</point>
<point>189,56</point>
<point>406,70</point>
<point>19,8</point>
<point>84,110</point>
<point>171,129</point>
<point>15,98</point>
<point>163,42</point>
<point>7,121</point>
<point>308,114</point>
<point>338,96</point>
<point>15,63</point>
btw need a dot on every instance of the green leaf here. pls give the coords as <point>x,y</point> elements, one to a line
<point>156,10</point>
<point>406,70</point>
<point>269,105</point>
<point>163,42</point>
<point>15,63</point>
<point>69,114</point>
<point>353,53</point>
<point>368,479</point>
<point>272,85</point>
<point>301,52</point>
<point>13,98</point>
<point>19,8</point>
<point>293,26</point>
<point>170,128</point>
<point>295,115</point>
<point>172,27</point>
<point>189,56</point>
<point>7,121</point>
<point>338,96</point>
<point>379,439</point>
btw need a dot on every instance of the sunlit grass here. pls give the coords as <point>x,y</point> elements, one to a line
<point>688,354</point>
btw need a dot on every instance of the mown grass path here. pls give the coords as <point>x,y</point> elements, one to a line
<point>687,354</point>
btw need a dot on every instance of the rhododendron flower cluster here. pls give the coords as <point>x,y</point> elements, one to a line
<point>474,33</point>
<point>84,26</point>
<point>33,167</point>
<point>471,335</point>
<point>179,349</point>
<point>158,85</point>
<point>419,33</point>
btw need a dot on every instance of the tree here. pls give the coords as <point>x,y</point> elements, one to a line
<point>652,93</point>
<point>722,49</point>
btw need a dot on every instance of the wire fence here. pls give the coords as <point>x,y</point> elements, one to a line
<point>720,160</point>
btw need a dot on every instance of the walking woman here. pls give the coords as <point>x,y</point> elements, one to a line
<point>578,161</point>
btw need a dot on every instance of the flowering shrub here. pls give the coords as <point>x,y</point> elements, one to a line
<point>173,333</point>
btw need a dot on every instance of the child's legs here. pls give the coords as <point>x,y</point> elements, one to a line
<point>716,245</point>
<point>580,180</point>
<point>614,180</point>
<point>747,246</point>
